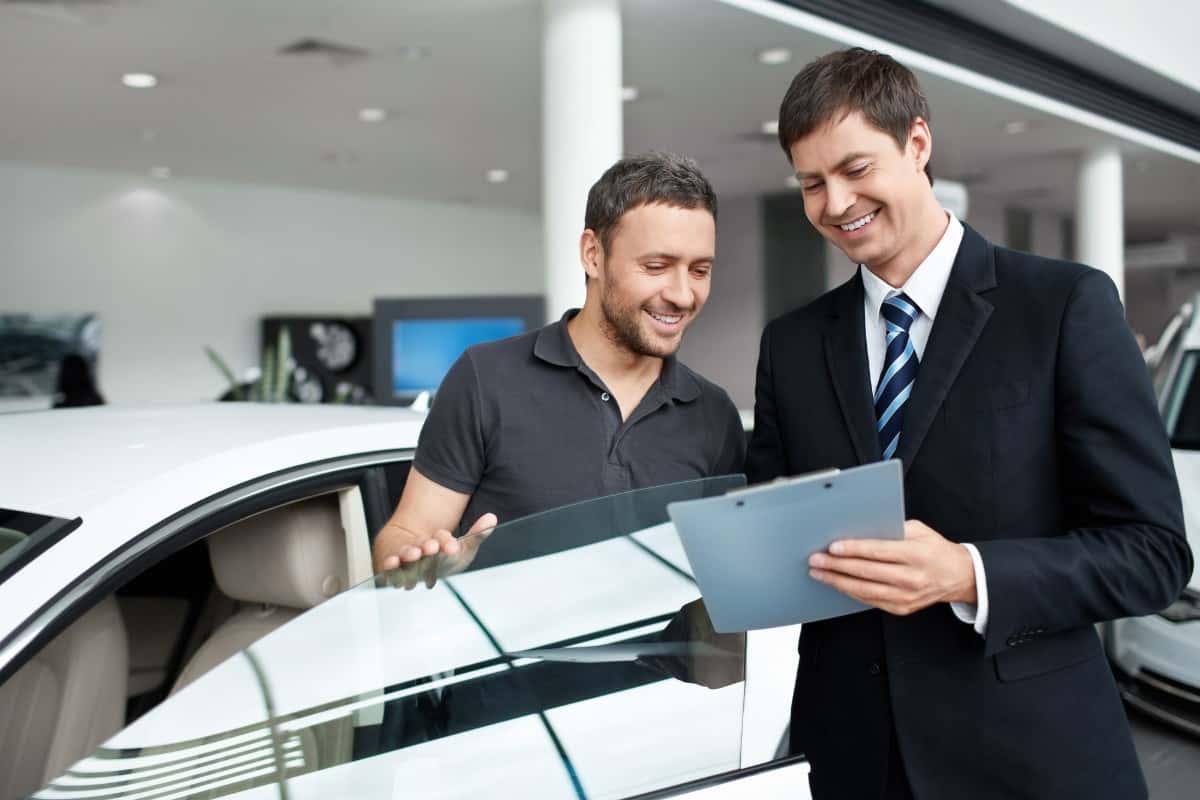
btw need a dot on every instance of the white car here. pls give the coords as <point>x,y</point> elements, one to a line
<point>187,610</point>
<point>1157,658</point>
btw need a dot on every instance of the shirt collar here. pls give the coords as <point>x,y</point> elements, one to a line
<point>927,284</point>
<point>554,346</point>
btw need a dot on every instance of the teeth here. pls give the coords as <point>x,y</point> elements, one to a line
<point>858,223</point>
<point>666,319</point>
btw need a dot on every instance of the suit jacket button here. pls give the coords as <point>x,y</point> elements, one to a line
<point>874,668</point>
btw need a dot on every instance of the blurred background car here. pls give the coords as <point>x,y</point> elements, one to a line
<point>1157,657</point>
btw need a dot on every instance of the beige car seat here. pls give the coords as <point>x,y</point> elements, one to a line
<point>64,702</point>
<point>282,561</point>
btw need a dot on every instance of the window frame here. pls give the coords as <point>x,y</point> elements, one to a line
<point>190,525</point>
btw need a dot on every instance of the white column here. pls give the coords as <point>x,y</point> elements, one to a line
<point>1100,214</point>
<point>581,130</point>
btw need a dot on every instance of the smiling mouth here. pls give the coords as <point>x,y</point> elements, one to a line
<point>860,223</point>
<point>666,319</point>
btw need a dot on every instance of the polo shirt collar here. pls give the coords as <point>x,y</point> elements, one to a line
<point>554,346</point>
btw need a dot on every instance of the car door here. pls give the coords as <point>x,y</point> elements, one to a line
<point>138,618</point>
<point>569,656</point>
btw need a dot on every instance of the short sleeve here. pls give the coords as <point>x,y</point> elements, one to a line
<point>451,450</point>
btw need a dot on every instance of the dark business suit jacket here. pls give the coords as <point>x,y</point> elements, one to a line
<point>1032,432</point>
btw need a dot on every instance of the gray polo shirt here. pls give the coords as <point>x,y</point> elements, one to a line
<point>523,425</point>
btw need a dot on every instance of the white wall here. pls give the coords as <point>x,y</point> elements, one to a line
<point>173,266</point>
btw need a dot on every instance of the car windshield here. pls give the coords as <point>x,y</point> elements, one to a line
<point>568,655</point>
<point>1181,409</point>
<point>24,534</point>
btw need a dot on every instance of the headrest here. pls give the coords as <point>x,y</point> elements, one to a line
<point>293,556</point>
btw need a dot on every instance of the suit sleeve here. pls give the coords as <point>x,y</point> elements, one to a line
<point>765,459</point>
<point>1123,551</point>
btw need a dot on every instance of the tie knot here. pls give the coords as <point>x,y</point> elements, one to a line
<point>899,311</point>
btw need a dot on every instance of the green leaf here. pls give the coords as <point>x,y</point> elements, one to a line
<point>268,376</point>
<point>235,385</point>
<point>283,367</point>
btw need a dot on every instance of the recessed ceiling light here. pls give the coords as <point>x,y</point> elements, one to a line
<point>372,114</point>
<point>775,56</point>
<point>139,80</point>
<point>1016,126</point>
<point>771,127</point>
<point>162,173</point>
<point>629,93</point>
<point>497,175</point>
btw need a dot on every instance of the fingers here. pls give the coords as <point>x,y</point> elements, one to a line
<point>419,563</point>
<point>486,522</point>
<point>446,543</point>
<point>896,552</point>
<point>882,596</point>
<point>883,572</point>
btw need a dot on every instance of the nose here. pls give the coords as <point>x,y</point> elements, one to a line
<point>678,288</point>
<point>839,198</point>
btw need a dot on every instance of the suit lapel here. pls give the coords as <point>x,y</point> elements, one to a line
<point>960,320</point>
<point>846,356</point>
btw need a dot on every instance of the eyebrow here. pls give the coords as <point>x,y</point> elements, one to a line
<point>673,257</point>
<point>840,165</point>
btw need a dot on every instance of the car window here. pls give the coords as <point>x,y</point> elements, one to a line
<point>567,656</point>
<point>1181,409</point>
<point>1161,358</point>
<point>24,534</point>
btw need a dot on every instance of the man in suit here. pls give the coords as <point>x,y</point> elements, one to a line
<point>1037,476</point>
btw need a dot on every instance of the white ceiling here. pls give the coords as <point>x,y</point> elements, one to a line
<point>229,107</point>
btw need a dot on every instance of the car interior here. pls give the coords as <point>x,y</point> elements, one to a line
<point>171,624</point>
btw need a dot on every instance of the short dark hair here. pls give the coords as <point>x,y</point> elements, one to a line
<point>874,84</point>
<point>666,178</point>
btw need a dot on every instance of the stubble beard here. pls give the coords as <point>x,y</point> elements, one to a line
<point>621,325</point>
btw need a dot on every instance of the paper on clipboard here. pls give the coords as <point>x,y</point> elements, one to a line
<point>749,549</point>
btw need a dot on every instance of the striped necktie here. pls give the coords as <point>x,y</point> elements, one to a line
<point>899,371</point>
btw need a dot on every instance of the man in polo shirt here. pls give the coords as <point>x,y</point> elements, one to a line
<point>595,403</point>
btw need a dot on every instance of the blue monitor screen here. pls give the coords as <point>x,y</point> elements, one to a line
<point>423,350</point>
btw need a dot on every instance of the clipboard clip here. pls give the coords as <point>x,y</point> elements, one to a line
<point>807,476</point>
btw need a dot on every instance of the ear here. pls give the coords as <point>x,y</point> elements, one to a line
<point>920,143</point>
<point>591,253</point>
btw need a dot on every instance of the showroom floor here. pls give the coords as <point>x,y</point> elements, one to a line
<point>1171,759</point>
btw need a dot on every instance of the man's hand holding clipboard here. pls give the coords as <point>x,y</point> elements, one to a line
<point>899,577</point>
<point>815,547</point>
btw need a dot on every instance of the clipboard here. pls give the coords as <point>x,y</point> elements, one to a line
<point>749,549</point>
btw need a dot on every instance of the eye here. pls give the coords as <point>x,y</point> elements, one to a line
<point>702,270</point>
<point>858,172</point>
<point>809,188</point>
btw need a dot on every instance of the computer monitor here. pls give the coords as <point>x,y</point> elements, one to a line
<point>416,341</point>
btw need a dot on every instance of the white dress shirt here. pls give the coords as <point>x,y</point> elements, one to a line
<point>925,287</point>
